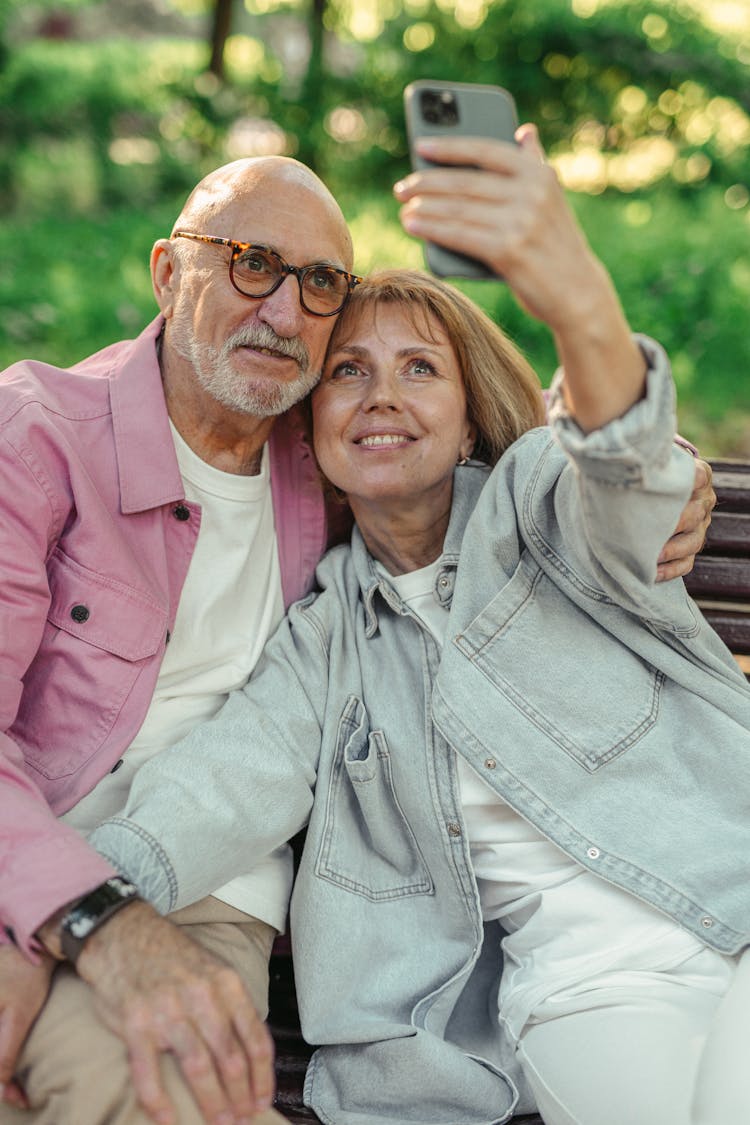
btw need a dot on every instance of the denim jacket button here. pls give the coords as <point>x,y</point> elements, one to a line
<point>707,922</point>
<point>453,828</point>
<point>490,763</point>
<point>593,853</point>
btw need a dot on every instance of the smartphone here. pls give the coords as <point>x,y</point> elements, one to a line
<point>456,109</point>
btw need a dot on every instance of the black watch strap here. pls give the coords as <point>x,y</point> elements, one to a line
<point>92,911</point>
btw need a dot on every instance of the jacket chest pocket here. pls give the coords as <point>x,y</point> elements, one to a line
<point>575,681</point>
<point>98,637</point>
<point>368,846</point>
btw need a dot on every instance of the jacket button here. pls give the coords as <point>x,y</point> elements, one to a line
<point>707,923</point>
<point>453,828</point>
<point>80,614</point>
<point>593,853</point>
<point>181,512</point>
<point>490,763</point>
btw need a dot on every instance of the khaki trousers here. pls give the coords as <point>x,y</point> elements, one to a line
<point>75,1071</point>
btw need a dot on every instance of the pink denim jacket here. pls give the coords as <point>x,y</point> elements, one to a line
<point>95,543</point>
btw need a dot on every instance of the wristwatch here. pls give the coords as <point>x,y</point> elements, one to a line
<point>91,912</point>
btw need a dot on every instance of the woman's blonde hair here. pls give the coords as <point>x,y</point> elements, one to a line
<point>503,394</point>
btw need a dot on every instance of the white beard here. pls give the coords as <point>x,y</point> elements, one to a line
<point>262,397</point>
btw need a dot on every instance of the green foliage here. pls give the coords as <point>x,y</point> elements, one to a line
<point>566,73</point>
<point>343,114</point>
<point>100,141</point>
<point>86,125</point>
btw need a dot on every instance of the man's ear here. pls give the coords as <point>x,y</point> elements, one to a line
<point>163,275</point>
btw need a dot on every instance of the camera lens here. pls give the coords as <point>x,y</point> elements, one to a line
<point>439,107</point>
<point>431,107</point>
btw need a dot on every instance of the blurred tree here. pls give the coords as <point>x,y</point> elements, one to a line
<point>313,84</point>
<point>637,90</point>
<point>601,77</point>
<point>221,25</point>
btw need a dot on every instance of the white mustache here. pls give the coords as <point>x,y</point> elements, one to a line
<point>263,336</point>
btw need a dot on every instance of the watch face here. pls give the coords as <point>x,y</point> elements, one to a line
<point>78,924</point>
<point>91,912</point>
<point>84,916</point>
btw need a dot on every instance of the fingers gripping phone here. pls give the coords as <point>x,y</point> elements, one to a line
<point>456,109</point>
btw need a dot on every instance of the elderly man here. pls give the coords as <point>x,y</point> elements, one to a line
<point>156,520</point>
<point>153,530</point>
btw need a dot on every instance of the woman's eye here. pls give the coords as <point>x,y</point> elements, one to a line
<point>346,371</point>
<point>421,367</point>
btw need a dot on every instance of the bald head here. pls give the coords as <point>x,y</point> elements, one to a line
<point>246,186</point>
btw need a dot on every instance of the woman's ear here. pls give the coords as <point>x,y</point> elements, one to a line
<point>470,440</point>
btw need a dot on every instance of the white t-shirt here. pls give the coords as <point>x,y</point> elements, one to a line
<point>564,924</point>
<point>230,603</point>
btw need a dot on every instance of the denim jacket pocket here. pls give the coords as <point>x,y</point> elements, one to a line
<point>98,636</point>
<point>368,846</point>
<point>574,680</point>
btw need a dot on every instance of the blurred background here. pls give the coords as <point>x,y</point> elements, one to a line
<point>110,110</point>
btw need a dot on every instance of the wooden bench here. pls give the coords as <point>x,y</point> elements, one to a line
<point>720,583</point>
<point>720,579</point>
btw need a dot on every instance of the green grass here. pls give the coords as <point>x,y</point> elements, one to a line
<point>70,287</point>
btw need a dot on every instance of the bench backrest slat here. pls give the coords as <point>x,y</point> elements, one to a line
<point>720,579</point>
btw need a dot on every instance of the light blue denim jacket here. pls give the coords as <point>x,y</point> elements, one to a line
<point>598,704</point>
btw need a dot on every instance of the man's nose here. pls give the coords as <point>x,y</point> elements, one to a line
<point>282,309</point>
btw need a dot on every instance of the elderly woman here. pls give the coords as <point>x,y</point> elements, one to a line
<point>515,753</point>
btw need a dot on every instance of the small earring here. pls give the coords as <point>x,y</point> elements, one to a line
<point>462,461</point>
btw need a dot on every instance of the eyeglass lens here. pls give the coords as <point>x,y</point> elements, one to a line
<point>257,272</point>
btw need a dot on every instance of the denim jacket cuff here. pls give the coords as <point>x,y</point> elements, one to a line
<point>624,449</point>
<point>140,858</point>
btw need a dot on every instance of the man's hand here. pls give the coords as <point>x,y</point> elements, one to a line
<point>678,556</point>
<point>23,991</point>
<point>160,991</point>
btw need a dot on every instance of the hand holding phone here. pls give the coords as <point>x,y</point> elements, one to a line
<point>504,205</point>
<point>456,109</point>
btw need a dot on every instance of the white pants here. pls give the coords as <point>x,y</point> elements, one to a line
<point>625,1051</point>
<point>722,1091</point>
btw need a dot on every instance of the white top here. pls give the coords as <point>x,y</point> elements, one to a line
<point>230,604</point>
<point>564,924</point>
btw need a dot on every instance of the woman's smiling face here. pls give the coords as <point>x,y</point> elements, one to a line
<point>390,415</point>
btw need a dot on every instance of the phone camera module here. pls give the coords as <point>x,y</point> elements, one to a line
<point>439,107</point>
